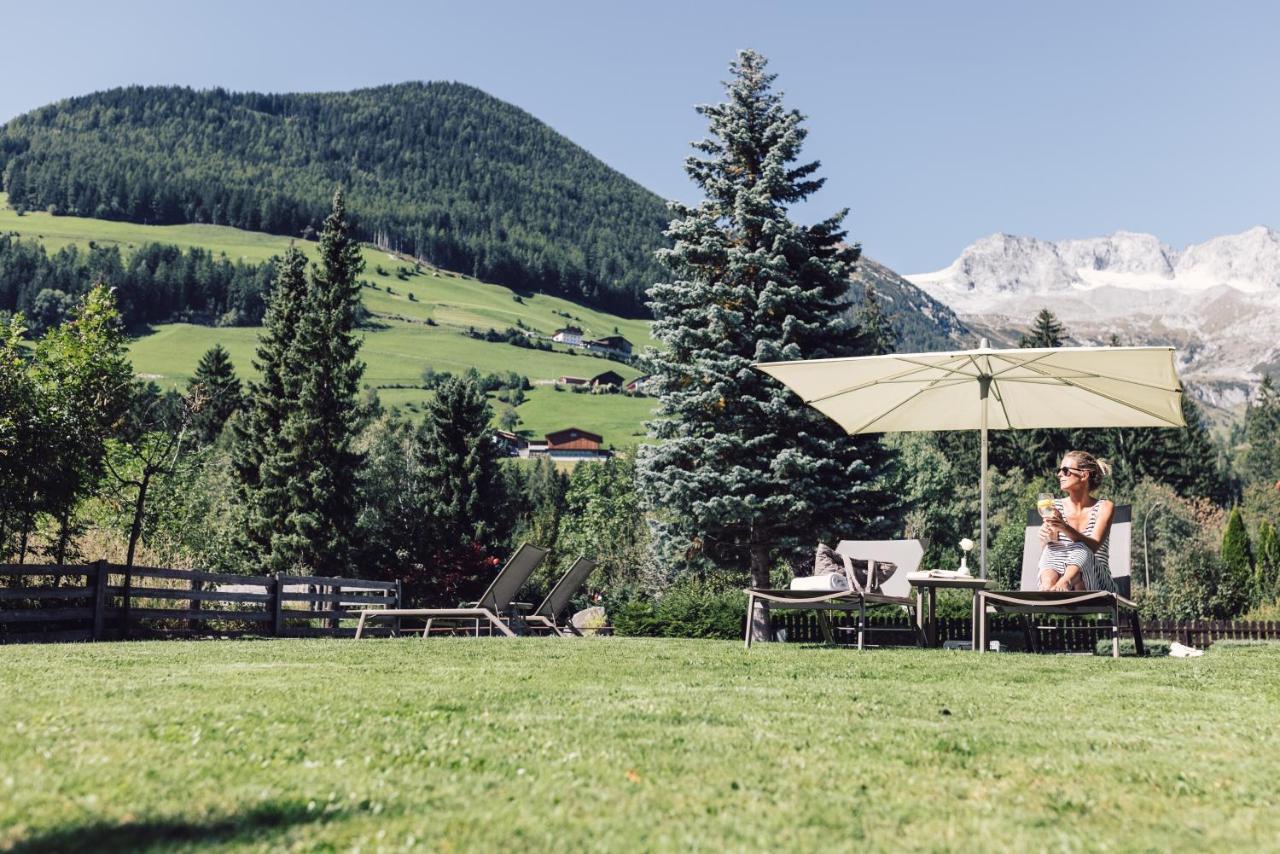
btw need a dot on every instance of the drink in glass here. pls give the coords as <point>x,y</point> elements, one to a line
<point>1044,506</point>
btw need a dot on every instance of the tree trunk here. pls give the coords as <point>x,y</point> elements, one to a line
<point>139,505</point>
<point>25,539</point>
<point>760,578</point>
<point>64,537</point>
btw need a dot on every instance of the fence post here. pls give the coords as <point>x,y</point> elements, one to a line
<point>125,602</point>
<point>333,610</point>
<point>100,579</point>
<point>196,587</point>
<point>276,603</point>
<point>399,603</point>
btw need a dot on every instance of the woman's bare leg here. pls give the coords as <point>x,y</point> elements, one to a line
<point>1072,579</point>
<point>1048,578</point>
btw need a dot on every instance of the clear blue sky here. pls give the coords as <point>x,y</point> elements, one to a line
<point>936,122</point>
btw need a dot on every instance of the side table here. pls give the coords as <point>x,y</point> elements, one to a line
<point>926,588</point>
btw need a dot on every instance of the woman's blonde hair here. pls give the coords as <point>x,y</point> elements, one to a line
<point>1097,469</point>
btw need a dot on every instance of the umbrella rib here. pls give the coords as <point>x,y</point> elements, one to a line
<point>1115,399</point>
<point>1012,364</point>
<point>995,389</point>
<point>900,377</point>
<point>1092,375</point>
<point>888,411</point>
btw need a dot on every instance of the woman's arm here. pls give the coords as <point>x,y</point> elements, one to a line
<point>1100,529</point>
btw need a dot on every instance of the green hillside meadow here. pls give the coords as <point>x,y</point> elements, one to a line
<point>401,343</point>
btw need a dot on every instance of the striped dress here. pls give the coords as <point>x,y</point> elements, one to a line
<point>1068,552</point>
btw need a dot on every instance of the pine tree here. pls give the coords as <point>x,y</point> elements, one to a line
<point>262,474</point>
<point>1046,331</point>
<point>744,471</point>
<point>1262,433</point>
<point>1237,561</point>
<point>1267,574</point>
<point>466,500</point>
<point>317,434</point>
<point>874,324</point>
<point>214,392</point>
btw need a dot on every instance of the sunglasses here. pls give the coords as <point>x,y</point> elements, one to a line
<point>1067,470</point>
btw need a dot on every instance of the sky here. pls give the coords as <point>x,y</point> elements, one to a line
<point>936,123</point>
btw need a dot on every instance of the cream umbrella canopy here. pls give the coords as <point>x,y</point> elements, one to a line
<point>986,389</point>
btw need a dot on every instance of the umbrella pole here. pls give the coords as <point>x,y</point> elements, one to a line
<point>984,385</point>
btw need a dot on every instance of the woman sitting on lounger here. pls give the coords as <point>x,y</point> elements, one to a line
<point>1075,536</point>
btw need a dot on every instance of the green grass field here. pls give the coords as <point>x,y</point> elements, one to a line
<point>402,345</point>
<point>628,744</point>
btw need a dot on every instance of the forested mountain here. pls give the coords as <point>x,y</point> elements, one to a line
<point>920,323</point>
<point>440,171</point>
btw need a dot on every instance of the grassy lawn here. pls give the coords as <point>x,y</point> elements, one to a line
<point>620,744</point>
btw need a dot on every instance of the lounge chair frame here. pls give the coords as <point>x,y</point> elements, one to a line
<point>1030,601</point>
<point>907,554</point>
<point>495,602</point>
<point>547,615</point>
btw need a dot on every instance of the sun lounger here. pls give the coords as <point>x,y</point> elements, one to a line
<point>494,606</point>
<point>547,615</point>
<point>1030,600</point>
<point>895,590</point>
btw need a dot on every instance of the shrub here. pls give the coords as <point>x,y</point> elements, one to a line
<point>1155,647</point>
<point>690,608</point>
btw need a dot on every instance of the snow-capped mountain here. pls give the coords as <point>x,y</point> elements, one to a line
<point>1218,302</point>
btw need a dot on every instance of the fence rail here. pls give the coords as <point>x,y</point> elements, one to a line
<point>1062,634</point>
<point>105,601</point>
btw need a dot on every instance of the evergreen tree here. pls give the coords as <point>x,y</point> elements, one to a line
<point>1046,331</point>
<point>317,455</point>
<point>744,472</point>
<point>875,325</point>
<point>214,393</point>
<point>1262,433</point>
<point>261,473</point>
<point>1266,583</point>
<point>1237,560</point>
<point>466,501</point>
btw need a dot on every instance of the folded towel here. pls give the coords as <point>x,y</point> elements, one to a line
<point>828,582</point>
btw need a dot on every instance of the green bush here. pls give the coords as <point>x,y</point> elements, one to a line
<point>1155,647</point>
<point>690,608</point>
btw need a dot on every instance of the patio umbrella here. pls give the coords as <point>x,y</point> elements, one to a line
<point>988,389</point>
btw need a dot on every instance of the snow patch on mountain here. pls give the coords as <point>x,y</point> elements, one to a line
<point>1218,301</point>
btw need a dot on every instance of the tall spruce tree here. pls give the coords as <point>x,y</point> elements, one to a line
<point>744,472</point>
<point>262,474</point>
<point>317,435</point>
<point>214,393</point>
<point>466,498</point>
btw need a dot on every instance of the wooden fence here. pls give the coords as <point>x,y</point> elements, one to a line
<point>104,601</point>
<point>1062,634</point>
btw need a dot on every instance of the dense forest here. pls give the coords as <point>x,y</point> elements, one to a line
<point>154,284</point>
<point>441,171</point>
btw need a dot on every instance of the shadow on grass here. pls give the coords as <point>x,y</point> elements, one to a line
<point>164,833</point>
